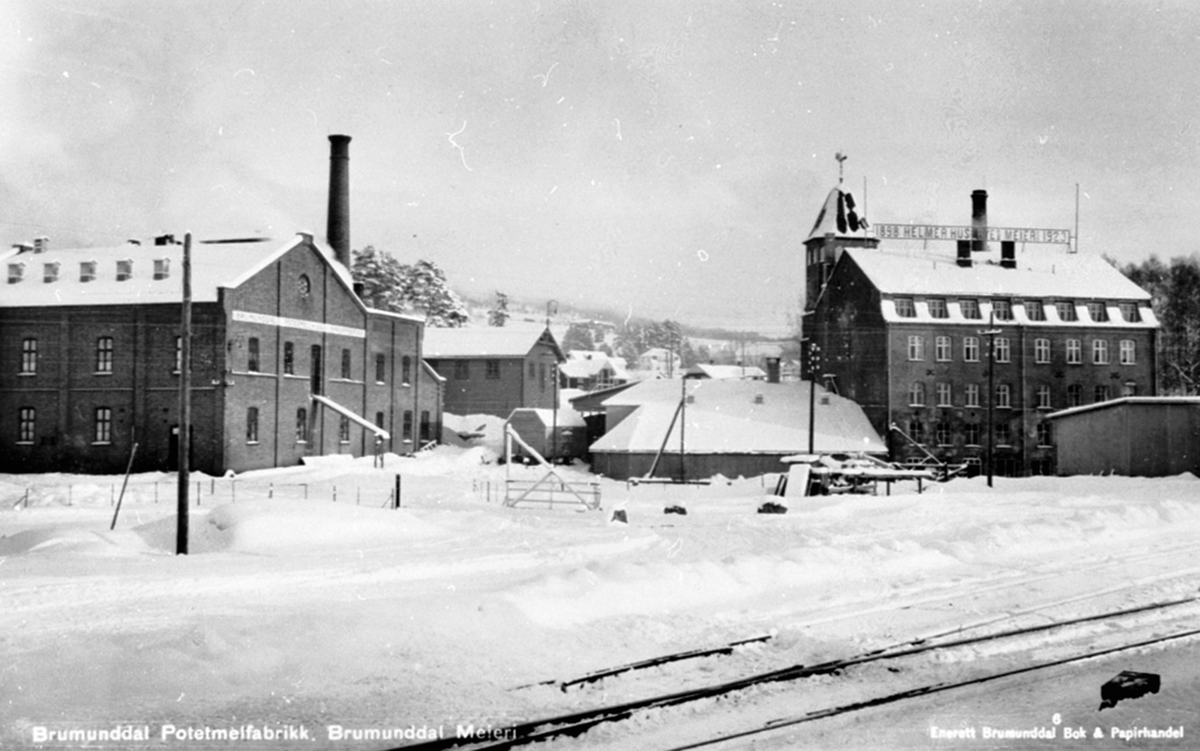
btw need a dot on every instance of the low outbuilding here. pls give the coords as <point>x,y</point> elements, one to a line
<point>1136,436</point>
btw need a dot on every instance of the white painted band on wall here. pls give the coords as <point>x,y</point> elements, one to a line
<point>296,323</point>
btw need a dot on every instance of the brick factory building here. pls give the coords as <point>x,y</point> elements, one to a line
<point>906,332</point>
<point>287,360</point>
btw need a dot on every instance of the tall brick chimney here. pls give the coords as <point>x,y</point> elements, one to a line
<point>337,227</point>
<point>979,221</point>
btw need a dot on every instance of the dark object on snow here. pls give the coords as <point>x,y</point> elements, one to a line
<point>771,507</point>
<point>675,510</point>
<point>1128,685</point>
<point>618,515</point>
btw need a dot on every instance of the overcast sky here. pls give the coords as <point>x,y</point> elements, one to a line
<point>661,158</point>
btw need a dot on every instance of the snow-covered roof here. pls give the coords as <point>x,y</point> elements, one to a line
<point>749,372</point>
<point>565,418</point>
<point>1132,400</point>
<point>726,417</point>
<point>1041,272</point>
<point>834,218</point>
<point>213,266</point>
<point>485,341</point>
<point>574,368</point>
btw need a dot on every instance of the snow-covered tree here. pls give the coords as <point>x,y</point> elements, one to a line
<point>578,337</point>
<point>499,314</point>
<point>404,288</point>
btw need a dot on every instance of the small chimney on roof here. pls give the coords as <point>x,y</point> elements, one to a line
<point>337,228</point>
<point>41,244</point>
<point>979,220</point>
<point>164,240</point>
<point>1008,254</point>
<point>964,253</point>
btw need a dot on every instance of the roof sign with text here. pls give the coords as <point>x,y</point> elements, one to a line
<point>967,232</point>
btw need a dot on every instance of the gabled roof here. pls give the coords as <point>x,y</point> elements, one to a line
<point>725,418</point>
<point>834,218</point>
<point>1041,273</point>
<point>486,341</point>
<point>748,372</point>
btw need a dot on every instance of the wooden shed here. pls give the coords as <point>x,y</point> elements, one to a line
<point>537,428</point>
<point>1137,436</point>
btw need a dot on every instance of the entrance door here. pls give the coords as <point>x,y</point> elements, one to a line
<point>315,376</point>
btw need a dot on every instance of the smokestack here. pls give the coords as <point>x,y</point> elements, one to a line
<point>337,228</point>
<point>979,221</point>
<point>1008,254</point>
<point>964,253</point>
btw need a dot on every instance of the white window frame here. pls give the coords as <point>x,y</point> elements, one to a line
<point>916,348</point>
<point>1074,352</point>
<point>970,349</point>
<point>1041,351</point>
<point>1128,353</point>
<point>1100,352</point>
<point>943,349</point>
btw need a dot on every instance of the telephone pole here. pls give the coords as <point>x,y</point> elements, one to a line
<point>990,333</point>
<point>185,401</point>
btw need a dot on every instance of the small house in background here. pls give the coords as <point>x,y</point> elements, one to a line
<point>496,369</point>
<point>1137,436</point>
<point>554,436</point>
<point>590,371</point>
<point>658,362</point>
<point>730,427</point>
<point>736,372</point>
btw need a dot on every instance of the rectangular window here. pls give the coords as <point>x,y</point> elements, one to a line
<point>937,308</point>
<point>408,425</point>
<point>1130,312</point>
<point>1098,312</point>
<point>916,348</point>
<point>970,308</point>
<point>1099,352</point>
<point>1043,397</point>
<point>942,348</point>
<point>344,430</point>
<point>302,425</point>
<point>124,269</point>
<point>542,376</point>
<point>346,364</point>
<point>1066,310</point>
<point>1003,434</point>
<point>971,349</point>
<point>252,425</point>
<point>162,268</point>
<point>1100,394</point>
<point>1074,352</point>
<point>1041,351</point>
<point>1002,309</point>
<point>16,272</point>
<point>1003,396</point>
<point>50,272</point>
<point>1129,388</point>
<point>380,368</point>
<point>104,354</point>
<point>1043,434</point>
<point>916,430</point>
<point>29,356</point>
<point>1128,352</point>
<point>1074,395</point>
<point>971,394</point>
<point>103,425</point>
<point>462,370</point>
<point>178,353</point>
<point>944,394</point>
<point>426,427</point>
<point>252,355</point>
<point>87,271</point>
<point>942,433</point>
<point>971,434</point>
<point>1034,310</point>
<point>26,419</point>
<point>289,358</point>
<point>492,369</point>
<point>406,370</point>
<point>1003,349</point>
<point>916,395</point>
<point>532,371</point>
<point>905,307</point>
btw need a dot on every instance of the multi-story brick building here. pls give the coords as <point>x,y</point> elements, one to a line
<point>287,360</point>
<point>907,334</point>
<point>496,369</point>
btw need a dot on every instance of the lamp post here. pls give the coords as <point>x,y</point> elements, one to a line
<point>990,333</point>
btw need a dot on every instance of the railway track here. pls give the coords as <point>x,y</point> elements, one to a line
<point>578,722</point>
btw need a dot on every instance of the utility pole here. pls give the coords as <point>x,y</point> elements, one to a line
<point>185,400</point>
<point>553,304</point>
<point>990,333</point>
<point>814,357</point>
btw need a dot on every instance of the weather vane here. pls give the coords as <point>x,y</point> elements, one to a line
<point>840,157</point>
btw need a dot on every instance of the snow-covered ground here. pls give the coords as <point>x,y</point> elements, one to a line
<point>299,612</point>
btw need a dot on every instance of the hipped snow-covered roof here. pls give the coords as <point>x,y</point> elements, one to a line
<point>1041,272</point>
<point>725,418</point>
<point>485,341</point>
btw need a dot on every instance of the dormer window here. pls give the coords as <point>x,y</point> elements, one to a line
<point>1066,310</point>
<point>1002,309</point>
<point>16,272</point>
<point>1129,311</point>
<point>50,272</point>
<point>937,308</point>
<point>87,271</point>
<point>1098,312</point>
<point>162,268</point>
<point>124,269</point>
<point>970,309</point>
<point>905,307</point>
<point>1034,310</point>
